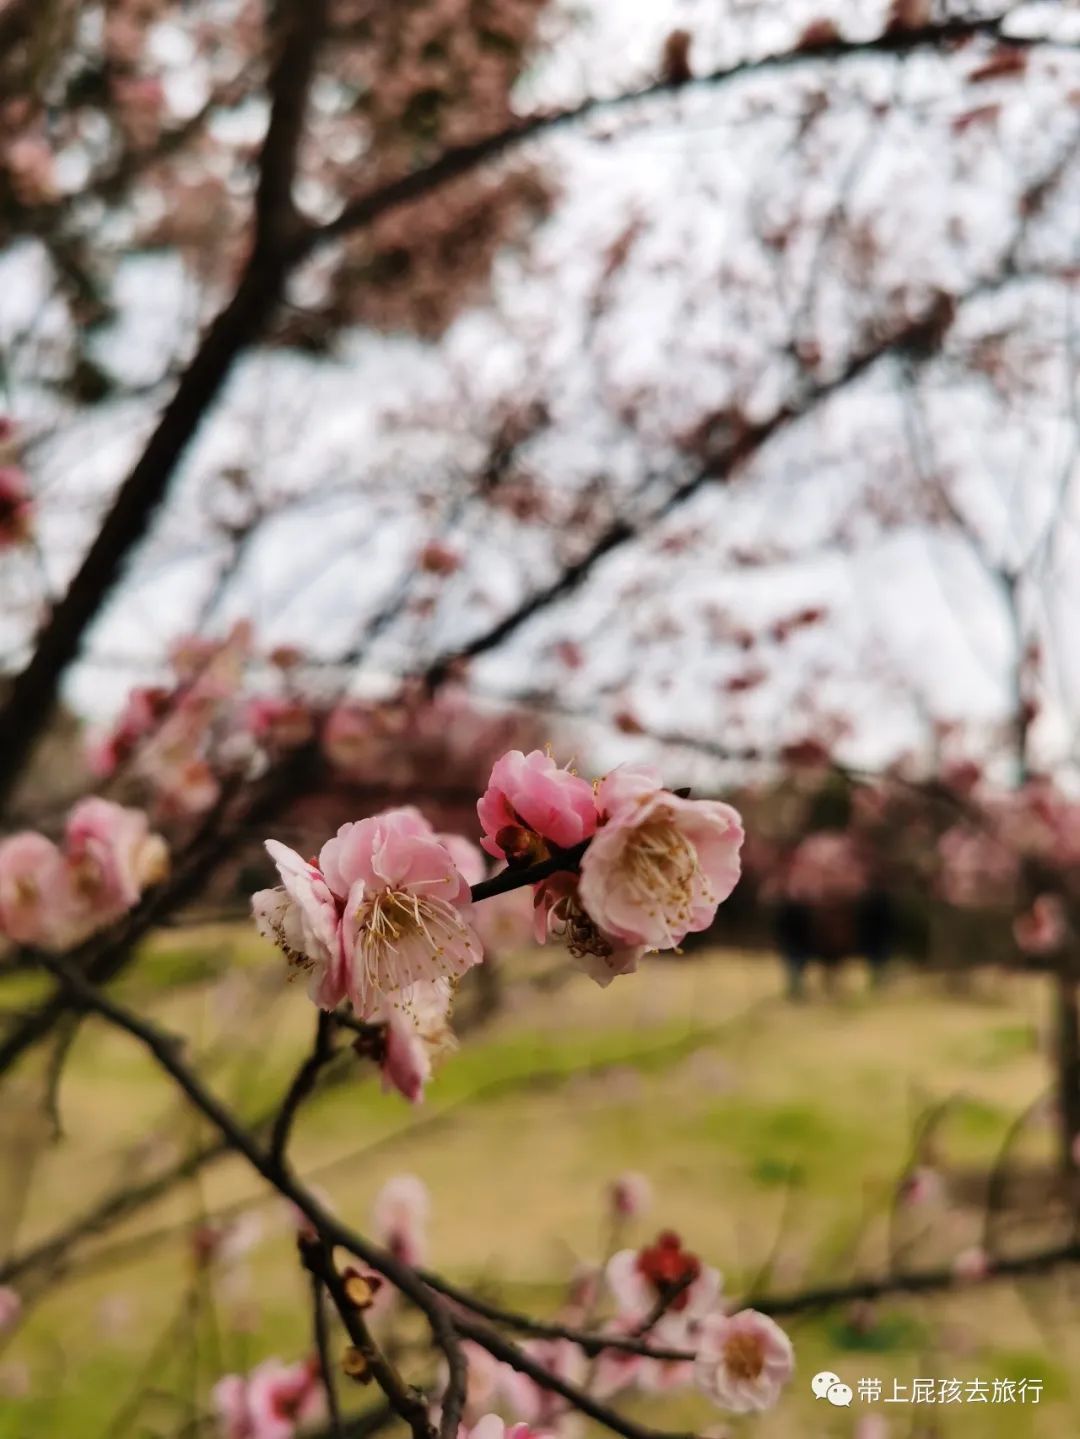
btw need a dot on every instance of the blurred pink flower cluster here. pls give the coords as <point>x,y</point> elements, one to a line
<point>272,1402</point>
<point>56,895</point>
<point>825,867</point>
<point>226,710</point>
<point>660,1295</point>
<point>977,868</point>
<point>180,737</point>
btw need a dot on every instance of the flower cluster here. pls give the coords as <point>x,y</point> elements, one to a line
<point>271,1402</point>
<point>179,737</point>
<point>226,709</point>
<point>55,896</point>
<point>383,916</point>
<point>659,1297</point>
<point>655,864</point>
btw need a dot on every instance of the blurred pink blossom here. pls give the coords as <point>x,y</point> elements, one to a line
<point>112,856</point>
<point>631,1195</point>
<point>977,868</point>
<point>1043,928</point>
<point>506,922</point>
<point>417,1031</point>
<point>921,1186</point>
<point>492,1426</point>
<point>10,1308</point>
<point>58,896</point>
<point>826,866</point>
<point>399,1217</point>
<point>743,1362</point>
<point>280,723</point>
<point>538,1407</point>
<point>28,160</point>
<point>272,1402</point>
<point>31,878</point>
<point>971,1264</point>
<point>871,1426</point>
<point>663,1273</point>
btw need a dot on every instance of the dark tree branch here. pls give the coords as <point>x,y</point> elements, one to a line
<point>322,1349</point>
<point>167,1053</point>
<point>463,159</point>
<point>32,694</point>
<point>304,1081</point>
<point>106,956</point>
<point>16,21</point>
<point>406,1402</point>
<point>501,1348</point>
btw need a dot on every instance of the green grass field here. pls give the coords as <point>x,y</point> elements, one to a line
<point>773,1135</point>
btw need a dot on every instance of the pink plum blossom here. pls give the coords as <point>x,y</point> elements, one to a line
<point>531,793</point>
<point>584,1288</point>
<point>417,1031</point>
<point>399,1217</point>
<point>349,737</point>
<point>302,917</point>
<point>112,856</point>
<point>15,506</point>
<point>617,1370</point>
<point>281,724</point>
<point>743,1361</point>
<point>185,789</point>
<point>10,1308</point>
<point>140,104</point>
<point>145,707</point>
<point>492,1426</point>
<point>922,1186</point>
<point>466,855</point>
<point>560,914</point>
<point>663,1271</point>
<point>871,1426</point>
<point>271,1402</point>
<point>631,1195</point>
<point>226,1242</point>
<point>57,897</point>
<point>506,922</point>
<point>971,1264</point>
<point>659,865</point>
<point>826,866</point>
<point>31,882</point>
<point>538,1407</point>
<point>484,1374</point>
<point>1042,929</point>
<point>661,1376</point>
<point>28,160</point>
<point>976,867</point>
<point>406,907</point>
